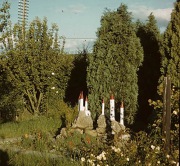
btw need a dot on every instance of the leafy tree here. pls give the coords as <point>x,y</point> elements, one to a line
<point>149,72</point>
<point>34,66</point>
<point>4,15</point>
<point>4,23</point>
<point>113,66</point>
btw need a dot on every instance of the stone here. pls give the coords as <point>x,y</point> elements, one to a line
<point>101,121</point>
<point>63,133</point>
<point>101,130</point>
<point>77,130</point>
<point>117,127</point>
<point>83,121</point>
<point>91,133</point>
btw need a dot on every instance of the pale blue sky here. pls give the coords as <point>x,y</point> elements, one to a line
<point>81,18</point>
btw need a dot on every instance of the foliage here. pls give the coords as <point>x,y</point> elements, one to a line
<point>113,66</point>
<point>141,149</point>
<point>77,81</point>
<point>170,63</point>
<point>34,66</point>
<point>65,113</point>
<point>4,16</point>
<point>170,66</point>
<point>149,72</point>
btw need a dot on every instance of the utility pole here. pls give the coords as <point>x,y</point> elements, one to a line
<point>23,9</point>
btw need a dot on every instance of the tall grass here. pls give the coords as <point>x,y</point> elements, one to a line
<point>17,129</point>
<point>24,159</point>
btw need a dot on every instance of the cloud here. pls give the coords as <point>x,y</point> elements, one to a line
<point>162,15</point>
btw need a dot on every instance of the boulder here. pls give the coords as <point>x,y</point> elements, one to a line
<point>117,127</point>
<point>91,132</point>
<point>101,121</point>
<point>83,121</point>
<point>101,130</point>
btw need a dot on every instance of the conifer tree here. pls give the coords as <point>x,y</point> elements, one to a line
<point>112,68</point>
<point>170,64</point>
<point>170,48</point>
<point>149,72</point>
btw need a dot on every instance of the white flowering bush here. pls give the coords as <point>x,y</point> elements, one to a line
<point>143,149</point>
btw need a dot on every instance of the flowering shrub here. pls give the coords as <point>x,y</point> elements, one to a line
<point>142,149</point>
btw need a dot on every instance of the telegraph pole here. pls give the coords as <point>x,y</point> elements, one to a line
<point>23,9</point>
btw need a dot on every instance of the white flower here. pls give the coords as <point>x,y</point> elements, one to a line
<point>92,155</point>
<point>172,162</point>
<point>82,159</point>
<point>89,161</point>
<point>152,147</point>
<point>167,156</point>
<point>175,112</point>
<point>53,87</point>
<point>53,73</point>
<point>117,150</point>
<point>127,159</point>
<point>103,152</point>
<point>57,92</point>
<point>158,148</point>
<point>113,147</point>
<point>158,162</point>
<point>99,157</point>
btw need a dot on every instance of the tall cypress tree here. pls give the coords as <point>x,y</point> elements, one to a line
<point>149,72</point>
<point>171,62</point>
<point>112,68</point>
<point>170,48</point>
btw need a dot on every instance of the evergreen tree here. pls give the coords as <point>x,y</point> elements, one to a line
<point>170,64</point>
<point>149,72</point>
<point>112,68</point>
<point>170,48</point>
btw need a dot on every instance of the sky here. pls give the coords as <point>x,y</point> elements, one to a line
<point>78,20</point>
